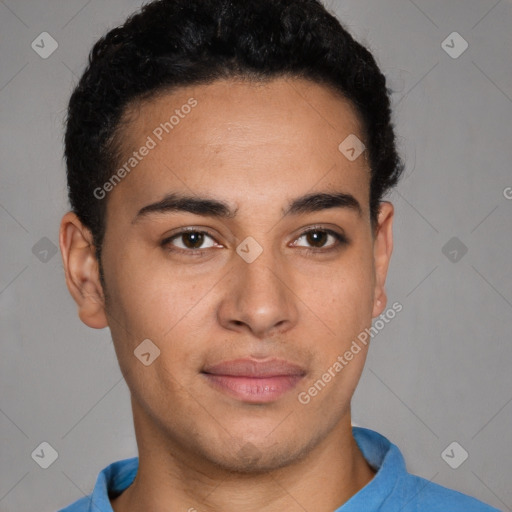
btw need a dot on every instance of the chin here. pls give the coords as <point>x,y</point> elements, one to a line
<point>258,458</point>
<point>252,462</point>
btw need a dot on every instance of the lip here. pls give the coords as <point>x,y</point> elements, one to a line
<point>254,381</point>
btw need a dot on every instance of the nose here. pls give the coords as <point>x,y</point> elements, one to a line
<point>259,297</point>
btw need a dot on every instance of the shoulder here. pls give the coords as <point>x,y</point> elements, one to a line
<point>416,494</point>
<point>394,488</point>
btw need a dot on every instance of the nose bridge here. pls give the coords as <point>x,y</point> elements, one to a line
<point>259,295</point>
<point>258,277</point>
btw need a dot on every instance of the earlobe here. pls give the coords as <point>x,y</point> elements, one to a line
<point>81,270</point>
<point>382,249</point>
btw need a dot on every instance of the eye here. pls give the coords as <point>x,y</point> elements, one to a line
<point>193,241</point>
<point>189,240</point>
<point>318,238</point>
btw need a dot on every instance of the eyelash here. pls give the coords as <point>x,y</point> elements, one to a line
<point>341,240</point>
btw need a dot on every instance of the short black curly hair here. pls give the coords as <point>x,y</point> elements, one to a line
<point>173,43</point>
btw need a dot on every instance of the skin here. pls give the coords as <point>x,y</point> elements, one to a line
<point>256,147</point>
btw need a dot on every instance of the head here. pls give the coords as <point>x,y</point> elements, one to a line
<point>228,119</point>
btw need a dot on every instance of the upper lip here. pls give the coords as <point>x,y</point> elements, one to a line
<point>255,368</point>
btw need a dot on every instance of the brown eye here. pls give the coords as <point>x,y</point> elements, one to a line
<point>317,239</point>
<point>189,241</point>
<point>193,240</point>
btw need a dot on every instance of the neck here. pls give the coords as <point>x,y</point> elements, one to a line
<point>170,479</point>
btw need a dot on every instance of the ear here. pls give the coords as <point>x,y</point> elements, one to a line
<point>82,271</point>
<point>382,248</point>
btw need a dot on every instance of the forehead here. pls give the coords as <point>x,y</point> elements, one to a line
<point>247,142</point>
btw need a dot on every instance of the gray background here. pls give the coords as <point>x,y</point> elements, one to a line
<point>437,373</point>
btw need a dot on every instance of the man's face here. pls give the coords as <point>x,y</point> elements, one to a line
<point>209,299</point>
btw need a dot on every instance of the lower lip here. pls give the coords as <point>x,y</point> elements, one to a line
<point>254,389</point>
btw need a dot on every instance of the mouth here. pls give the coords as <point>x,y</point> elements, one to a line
<point>254,381</point>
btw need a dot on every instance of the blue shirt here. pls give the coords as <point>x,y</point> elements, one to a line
<point>392,489</point>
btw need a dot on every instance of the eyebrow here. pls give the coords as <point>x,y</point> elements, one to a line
<point>205,206</point>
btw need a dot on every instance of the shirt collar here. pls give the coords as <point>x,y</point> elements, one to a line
<point>386,459</point>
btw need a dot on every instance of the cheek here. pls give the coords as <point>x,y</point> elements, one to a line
<point>156,306</point>
<point>151,298</point>
<point>344,304</point>
<point>343,297</point>
<point>159,303</point>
